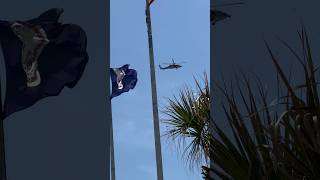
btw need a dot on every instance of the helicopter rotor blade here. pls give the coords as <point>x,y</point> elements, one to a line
<point>181,62</point>
<point>227,4</point>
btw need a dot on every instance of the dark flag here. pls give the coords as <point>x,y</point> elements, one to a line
<point>123,79</point>
<point>42,56</point>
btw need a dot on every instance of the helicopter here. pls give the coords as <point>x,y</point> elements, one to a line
<point>172,65</point>
<point>217,15</point>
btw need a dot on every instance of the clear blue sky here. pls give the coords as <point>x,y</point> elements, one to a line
<point>180,30</point>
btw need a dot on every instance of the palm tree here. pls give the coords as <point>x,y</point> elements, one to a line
<point>188,120</point>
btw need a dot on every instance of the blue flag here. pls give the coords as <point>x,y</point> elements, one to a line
<point>123,79</point>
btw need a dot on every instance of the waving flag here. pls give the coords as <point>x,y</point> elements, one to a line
<point>123,79</point>
<point>42,56</point>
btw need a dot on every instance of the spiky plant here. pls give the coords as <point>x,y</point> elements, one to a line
<point>267,141</point>
<point>298,152</point>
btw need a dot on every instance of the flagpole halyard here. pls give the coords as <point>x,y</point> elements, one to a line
<point>154,96</point>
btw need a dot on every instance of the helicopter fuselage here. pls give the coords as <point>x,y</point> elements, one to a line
<point>171,66</point>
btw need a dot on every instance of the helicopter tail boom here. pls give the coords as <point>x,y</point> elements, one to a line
<point>161,67</point>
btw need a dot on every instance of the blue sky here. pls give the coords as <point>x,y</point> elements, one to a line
<point>180,31</point>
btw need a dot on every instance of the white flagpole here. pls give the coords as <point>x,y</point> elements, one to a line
<point>154,97</point>
<point>113,167</point>
<point>212,7</point>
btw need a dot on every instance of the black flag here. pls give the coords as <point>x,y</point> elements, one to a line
<point>42,56</point>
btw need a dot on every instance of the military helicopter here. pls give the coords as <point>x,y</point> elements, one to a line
<point>216,15</point>
<point>172,65</point>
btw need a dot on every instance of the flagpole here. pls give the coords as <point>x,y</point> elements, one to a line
<point>154,97</point>
<point>3,175</point>
<point>211,162</point>
<point>113,167</point>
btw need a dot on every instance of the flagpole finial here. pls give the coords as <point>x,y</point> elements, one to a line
<point>149,2</point>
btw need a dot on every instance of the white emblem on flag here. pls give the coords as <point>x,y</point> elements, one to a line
<point>120,75</point>
<point>34,39</point>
